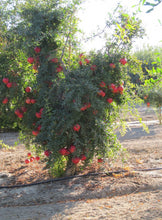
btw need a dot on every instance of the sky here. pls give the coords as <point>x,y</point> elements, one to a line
<point>94,13</point>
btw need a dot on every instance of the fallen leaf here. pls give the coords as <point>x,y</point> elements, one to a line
<point>117,175</point>
<point>108,206</point>
<point>127,168</point>
<point>139,161</point>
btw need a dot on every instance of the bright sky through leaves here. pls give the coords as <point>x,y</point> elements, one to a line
<point>94,14</point>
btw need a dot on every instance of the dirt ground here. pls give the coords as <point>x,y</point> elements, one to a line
<point>133,194</point>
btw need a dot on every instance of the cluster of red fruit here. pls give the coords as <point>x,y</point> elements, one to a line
<point>66,151</point>
<point>35,61</point>
<point>114,89</point>
<point>148,103</point>
<point>9,85</point>
<point>59,69</point>
<point>123,61</point>
<point>93,67</point>
<point>29,100</point>
<point>36,132</point>
<point>86,61</point>
<point>76,160</point>
<point>6,81</point>
<point>47,153</point>
<point>20,111</point>
<point>31,158</point>
<point>112,65</point>
<point>5,100</point>
<point>86,106</point>
<point>83,60</point>
<point>38,115</point>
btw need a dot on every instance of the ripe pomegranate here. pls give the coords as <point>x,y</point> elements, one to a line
<point>47,153</point>
<point>37,49</point>
<point>32,101</point>
<point>27,161</point>
<point>5,101</point>
<point>76,127</point>
<point>110,100</point>
<point>5,80</point>
<point>35,133</point>
<point>75,160</point>
<point>100,160</point>
<point>28,101</point>
<point>9,84</point>
<point>30,60</point>
<point>83,157</point>
<point>64,151</point>
<point>123,61</point>
<point>28,89</point>
<point>72,148</point>
<point>38,114</point>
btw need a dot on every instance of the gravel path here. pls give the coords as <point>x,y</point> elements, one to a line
<point>133,196</point>
<point>76,200</point>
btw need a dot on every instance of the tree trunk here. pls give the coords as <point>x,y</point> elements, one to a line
<point>71,168</point>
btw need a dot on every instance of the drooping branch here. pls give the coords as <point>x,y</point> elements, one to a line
<point>153,5</point>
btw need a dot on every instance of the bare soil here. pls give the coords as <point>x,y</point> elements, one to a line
<point>133,194</point>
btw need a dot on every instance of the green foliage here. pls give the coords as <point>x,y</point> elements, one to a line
<point>63,110</point>
<point>6,146</point>
<point>151,90</point>
<point>125,28</point>
<point>77,99</point>
<point>149,57</point>
<point>35,24</point>
<point>13,67</point>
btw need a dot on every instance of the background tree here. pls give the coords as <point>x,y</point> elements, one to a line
<point>148,60</point>
<point>150,90</point>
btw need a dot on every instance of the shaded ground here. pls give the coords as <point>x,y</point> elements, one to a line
<point>14,170</point>
<point>130,195</point>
